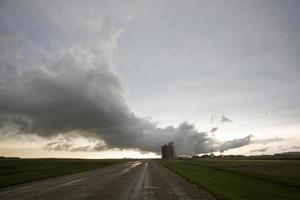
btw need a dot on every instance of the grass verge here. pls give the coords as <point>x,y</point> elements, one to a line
<point>238,180</point>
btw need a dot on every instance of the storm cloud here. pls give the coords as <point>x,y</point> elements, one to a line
<point>235,143</point>
<point>57,76</point>
<point>214,129</point>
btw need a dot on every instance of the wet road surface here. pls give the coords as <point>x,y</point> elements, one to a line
<point>139,180</point>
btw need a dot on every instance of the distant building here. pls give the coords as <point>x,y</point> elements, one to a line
<point>167,151</point>
<point>211,153</point>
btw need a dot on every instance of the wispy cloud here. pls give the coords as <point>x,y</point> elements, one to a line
<point>225,119</point>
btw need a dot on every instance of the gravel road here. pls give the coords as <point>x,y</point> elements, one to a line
<point>144,179</point>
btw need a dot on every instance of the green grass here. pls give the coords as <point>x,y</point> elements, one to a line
<point>17,171</point>
<point>242,179</point>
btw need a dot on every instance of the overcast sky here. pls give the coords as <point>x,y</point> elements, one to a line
<point>120,78</point>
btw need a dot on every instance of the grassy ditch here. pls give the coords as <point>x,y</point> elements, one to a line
<point>242,179</point>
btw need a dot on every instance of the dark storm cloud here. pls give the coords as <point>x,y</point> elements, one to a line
<point>214,129</point>
<point>54,84</point>
<point>232,144</point>
<point>186,137</point>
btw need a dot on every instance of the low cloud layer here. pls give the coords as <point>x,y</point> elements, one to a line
<point>188,140</point>
<point>236,143</point>
<point>267,140</point>
<point>55,84</point>
<point>260,150</point>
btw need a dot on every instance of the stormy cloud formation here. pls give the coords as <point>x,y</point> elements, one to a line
<point>58,77</point>
<point>214,129</point>
<point>47,93</point>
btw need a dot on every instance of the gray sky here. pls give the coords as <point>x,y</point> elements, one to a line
<point>212,57</point>
<point>201,58</point>
<point>136,74</point>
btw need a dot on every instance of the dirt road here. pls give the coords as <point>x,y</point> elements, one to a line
<point>140,180</point>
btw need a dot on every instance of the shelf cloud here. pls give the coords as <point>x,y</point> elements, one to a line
<point>56,82</point>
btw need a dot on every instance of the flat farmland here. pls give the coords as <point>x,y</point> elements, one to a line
<point>242,179</point>
<point>134,180</point>
<point>16,171</point>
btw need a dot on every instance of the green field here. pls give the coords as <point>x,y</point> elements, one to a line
<point>15,171</point>
<point>242,179</point>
